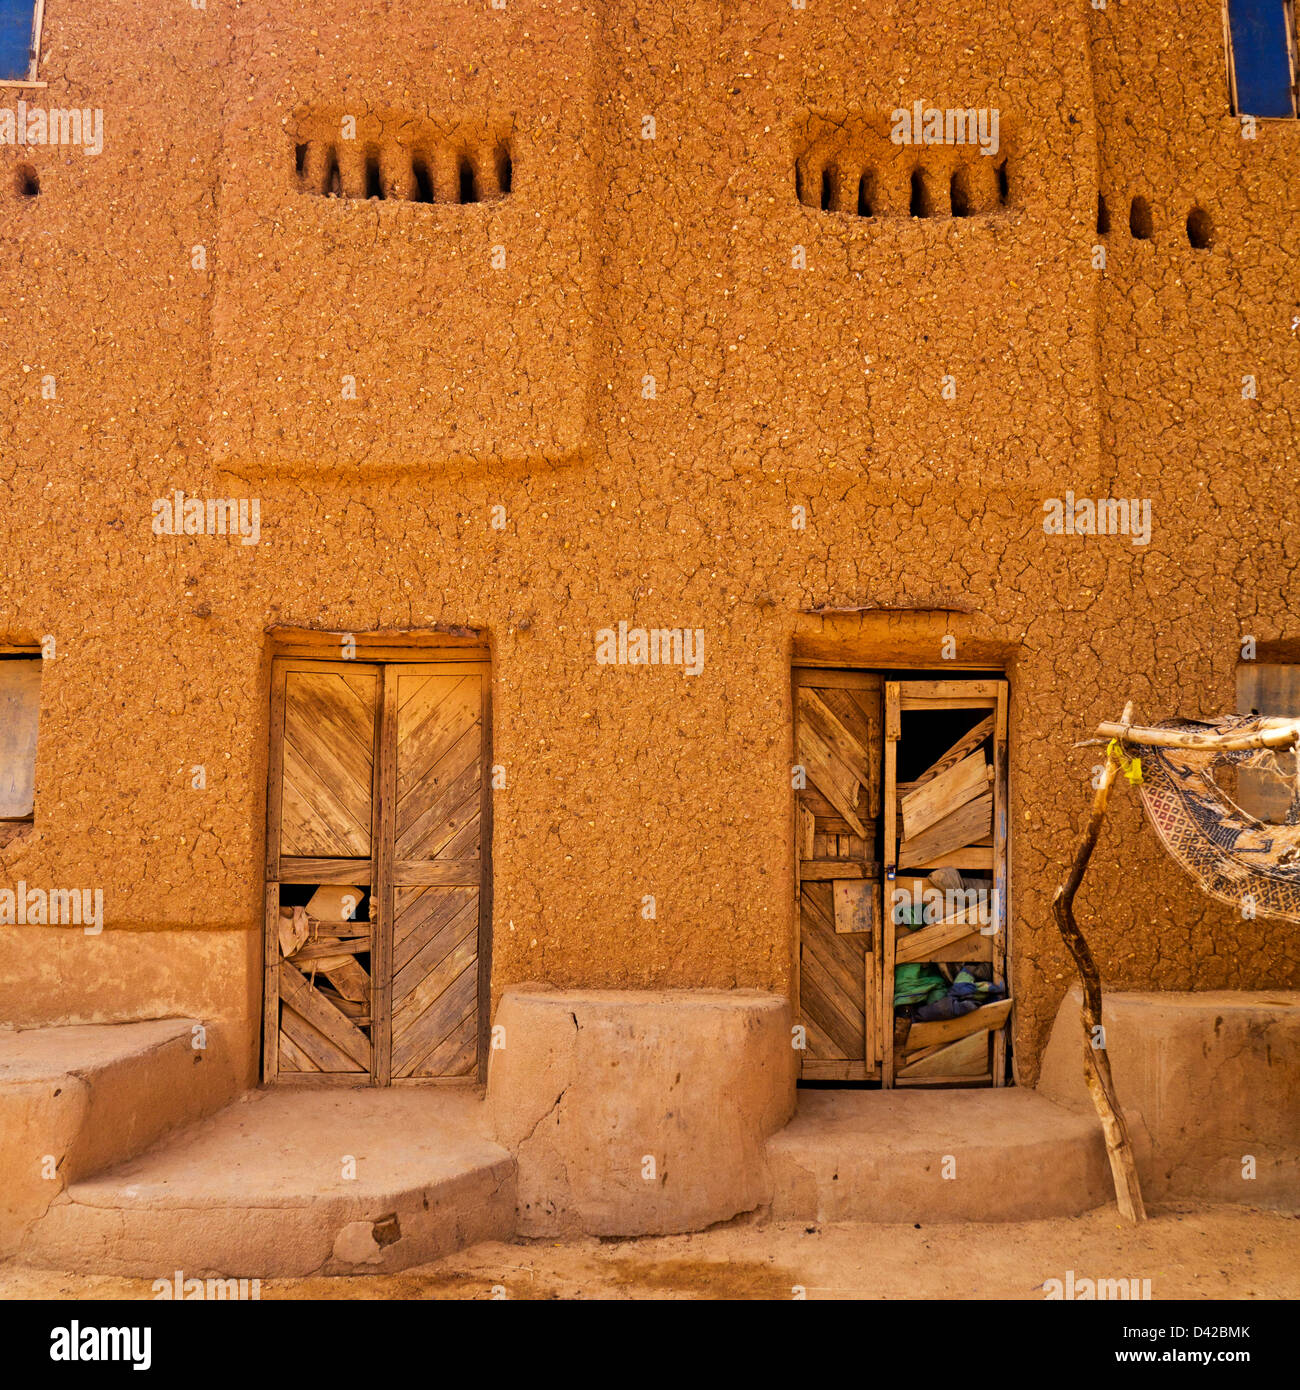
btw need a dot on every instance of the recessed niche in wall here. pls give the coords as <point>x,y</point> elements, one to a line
<point>852,167</point>
<point>1200,230</point>
<point>1139,219</point>
<point>392,156</point>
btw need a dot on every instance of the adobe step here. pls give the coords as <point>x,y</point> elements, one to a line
<point>1010,1155</point>
<point>266,1188</point>
<point>77,1099</point>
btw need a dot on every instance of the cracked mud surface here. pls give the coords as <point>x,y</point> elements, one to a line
<point>525,388</point>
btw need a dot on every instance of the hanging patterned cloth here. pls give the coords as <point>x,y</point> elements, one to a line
<point>1234,857</point>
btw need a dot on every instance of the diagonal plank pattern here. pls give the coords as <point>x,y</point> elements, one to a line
<point>832,982</point>
<point>436,928</point>
<point>838,742</point>
<point>329,729</point>
<point>319,1037</point>
<point>377,777</point>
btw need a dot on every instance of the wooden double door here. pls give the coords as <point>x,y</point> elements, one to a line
<point>378,875</point>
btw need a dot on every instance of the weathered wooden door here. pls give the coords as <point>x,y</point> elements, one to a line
<point>377,873</point>
<point>440,825</point>
<point>838,873</point>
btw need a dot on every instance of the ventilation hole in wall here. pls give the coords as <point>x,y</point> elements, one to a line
<point>800,192</point>
<point>867,195</point>
<point>827,190</point>
<point>958,195</point>
<point>470,164</point>
<point>1139,219</point>
<point>1200,230</point>
<point>1103,216</point>
<point>26,182</point>
<point>423,179</point>
<point>374,183</point>
<point>920,204</point>
<point>1004,186</point>
<point>333,179</point>
<point>468,184</point>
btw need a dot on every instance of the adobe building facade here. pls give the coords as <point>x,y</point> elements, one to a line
<point>664,329</point>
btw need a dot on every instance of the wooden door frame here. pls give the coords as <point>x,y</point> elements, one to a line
<point>377,874</point>
<point>993,691</point>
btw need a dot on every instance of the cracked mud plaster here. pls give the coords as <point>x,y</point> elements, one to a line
<point>523,388</point>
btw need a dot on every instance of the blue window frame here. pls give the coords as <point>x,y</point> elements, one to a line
<point>1262,56</point>
<point>19,39</point>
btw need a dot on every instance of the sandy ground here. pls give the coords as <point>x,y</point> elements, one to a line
<point>1187,1251</point>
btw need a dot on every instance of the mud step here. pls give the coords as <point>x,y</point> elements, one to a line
<point>75,1100</point>
<point>936,1156</point>
<point>293,1182</point>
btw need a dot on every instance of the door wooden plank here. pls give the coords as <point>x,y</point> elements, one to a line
<point>295,869</point>
<point>835,1013</point>
<point>323,1051</point>
<point>323,1016</point>
<point>817,901</point>
<point>889,811</point>
<point>270,983</point>
<point>917,945</point>
<point>275,783</point>
<point>974,857</point>
<point>826,870</point>
<point>292,1057</point>
<point>964,746</point>
<point>456,1054</point>
<point>483,1012</point>
<point>986,1017</point>
<point>426,995</point>
<point>826,776</point>
<point>854,906</point>
<point>328,752</point>
<point>848,749</point>
<point>1001,942</point>
<point>434,953</point>
<point>966,1057</point>
<point>954,832</point>
<point>414,1030</point>
<point>942,795</point>
<point>947,690</point>
<point>382,897</point>
<point>435,721</point>
<point>438,873</point>
<point>312,820</point>
<point>434,811</point>
<point>840,958</point>
<point>421,914</point>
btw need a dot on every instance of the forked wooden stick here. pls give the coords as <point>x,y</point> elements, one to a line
<point>1096,1062</point>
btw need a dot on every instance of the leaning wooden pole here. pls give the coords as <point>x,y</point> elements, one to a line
<point>1096,1062</point>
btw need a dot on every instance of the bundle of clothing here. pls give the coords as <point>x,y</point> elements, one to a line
<point>929,995</point>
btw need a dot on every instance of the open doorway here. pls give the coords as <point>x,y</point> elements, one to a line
<point>901,877</point>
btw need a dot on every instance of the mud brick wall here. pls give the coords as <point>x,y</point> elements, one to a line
<point>648,353</point>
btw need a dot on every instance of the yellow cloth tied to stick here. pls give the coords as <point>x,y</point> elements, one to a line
<point>1249,863</point>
